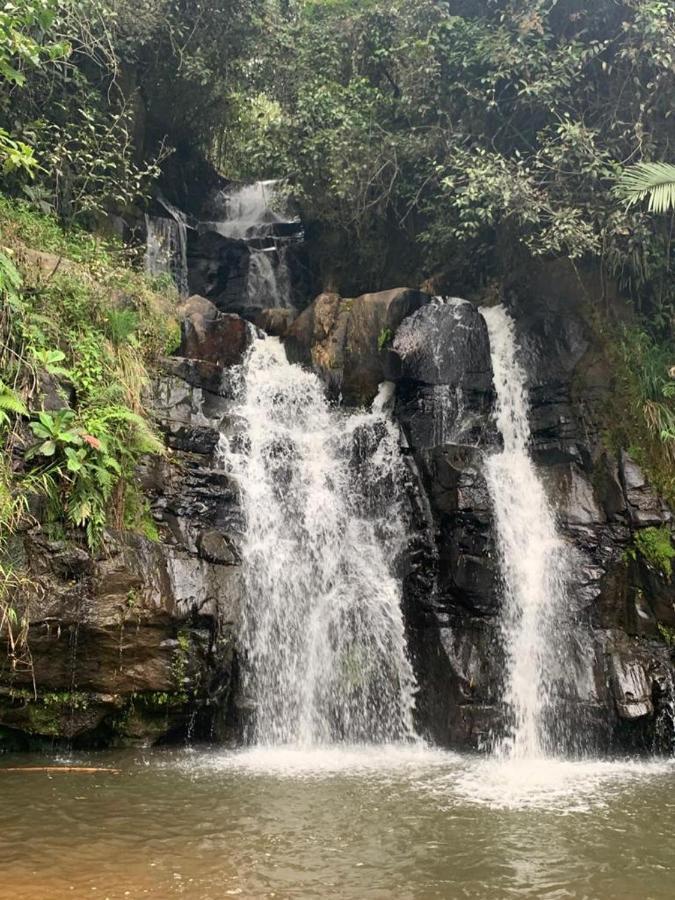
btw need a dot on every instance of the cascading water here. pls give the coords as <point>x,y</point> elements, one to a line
<point>248,208</point>
<point>266,284</point>
<point>256,214</point>
<point>323,636</point>
<point>534,559</point>
<point>166,250</point>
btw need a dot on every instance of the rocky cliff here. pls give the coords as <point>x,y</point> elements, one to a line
<point>139,642</point>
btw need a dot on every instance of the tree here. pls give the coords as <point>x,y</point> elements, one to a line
<point>25,44</point>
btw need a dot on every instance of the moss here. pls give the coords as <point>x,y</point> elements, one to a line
<point>656,547</point>
<point>158,700</point>
<point>668,634</point>
<point>384,338</point>
<point>45,715</point>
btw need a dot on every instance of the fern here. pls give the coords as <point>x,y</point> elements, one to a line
<point>10,404</point>
<point>654,181</point>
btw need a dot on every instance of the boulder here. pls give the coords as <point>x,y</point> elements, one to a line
<point>631,688</point>
<point>644,506</point>
<point>316,339</point>
<point>212,336</point>
<point>345,340</point>
<point>444,343</point>
<point>373,321</point>
<point>440,359</point>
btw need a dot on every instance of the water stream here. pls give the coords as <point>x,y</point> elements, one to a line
<point>535,561</point>
<point>323,637</point>
<point>255,213</point>
<point>166,249</point>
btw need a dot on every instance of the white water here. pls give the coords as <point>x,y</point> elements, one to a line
<point>534,559</point>
<point>267,285</point>
<point>247,208</point>
<point>248,213</point>
<point>324,645</point>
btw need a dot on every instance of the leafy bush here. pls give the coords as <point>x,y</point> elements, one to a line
<point>97,325</point>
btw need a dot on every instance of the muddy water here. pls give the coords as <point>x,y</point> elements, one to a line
<point>359,824</point>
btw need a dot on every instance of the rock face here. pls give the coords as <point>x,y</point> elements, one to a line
<point>345,340</point>
<point>212,336</point>
<point>137,644</point>
<point>620,606</point>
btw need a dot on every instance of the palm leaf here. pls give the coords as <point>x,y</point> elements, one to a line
<point>653,181</point>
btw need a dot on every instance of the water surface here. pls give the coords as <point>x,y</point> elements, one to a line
<point>355,824</point>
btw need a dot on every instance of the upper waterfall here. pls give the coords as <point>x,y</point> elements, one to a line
<point>323,637</point>
<point>534,559</point>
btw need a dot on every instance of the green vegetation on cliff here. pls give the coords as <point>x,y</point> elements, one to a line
<point>445,143</point>
<point>81,331</point>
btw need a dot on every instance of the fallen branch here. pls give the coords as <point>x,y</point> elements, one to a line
<point>81,769</point>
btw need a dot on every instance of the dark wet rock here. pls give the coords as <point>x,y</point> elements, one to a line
<point>275,321</point>
<point>440,359</point>
<point>213,336</point>
<point>445,342</point>
<point>216,547</point>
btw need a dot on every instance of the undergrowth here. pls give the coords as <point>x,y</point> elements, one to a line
<point>79,335</point>
<point>641,414</point>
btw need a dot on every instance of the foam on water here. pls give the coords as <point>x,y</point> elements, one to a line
<point>399,760</point>
<point>452,781</point>
<point>551,784</point>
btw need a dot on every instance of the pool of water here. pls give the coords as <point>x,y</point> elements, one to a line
<point>352,823</point>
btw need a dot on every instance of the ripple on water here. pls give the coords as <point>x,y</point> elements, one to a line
<point>452,779</point>
<point>556,785</point>
<point>358,761</point>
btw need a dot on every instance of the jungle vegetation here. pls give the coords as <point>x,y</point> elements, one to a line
<point>430,142</point>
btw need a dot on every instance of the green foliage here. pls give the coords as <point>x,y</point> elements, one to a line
<point>656,547</point>
<point>10,404</point>
<point>649,365</point>
<point>649,181</point>
<point>96,325</point>
<point>24,46</point>
<point>441,139</point>
<point>668,634</point>
<point>384,338</point>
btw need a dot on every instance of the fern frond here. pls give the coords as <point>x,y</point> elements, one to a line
<point>653,181</point>
<point>10,402</point>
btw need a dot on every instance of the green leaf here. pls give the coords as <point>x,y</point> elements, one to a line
<point>653,181</point>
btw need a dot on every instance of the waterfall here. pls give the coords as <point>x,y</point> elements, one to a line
<point>166,250</point>
<point>256,214</point>
<point>247,209</point>
<point>534,558</point>
<point>267,286</point>
<point>323,637</point>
